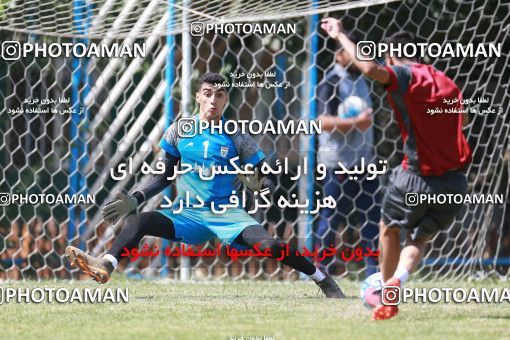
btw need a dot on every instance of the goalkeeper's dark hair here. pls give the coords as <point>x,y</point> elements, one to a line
<point>403,38</point>
<point>211,78</point>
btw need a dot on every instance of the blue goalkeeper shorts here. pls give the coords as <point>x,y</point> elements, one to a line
<point>199,225</point>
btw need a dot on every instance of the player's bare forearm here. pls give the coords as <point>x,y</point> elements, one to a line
<point>330,123</point>
<point>371,69</point>
<point>158,182</point>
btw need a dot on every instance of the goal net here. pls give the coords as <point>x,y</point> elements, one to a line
<point>68,120</point>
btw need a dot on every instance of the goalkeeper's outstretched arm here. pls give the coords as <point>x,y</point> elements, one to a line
<point>158,182</point>
<point>125,204</point>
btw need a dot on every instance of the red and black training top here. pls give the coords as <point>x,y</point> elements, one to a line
<point>433,143</point>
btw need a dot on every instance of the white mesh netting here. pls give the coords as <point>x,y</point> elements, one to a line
<point>124,100</point>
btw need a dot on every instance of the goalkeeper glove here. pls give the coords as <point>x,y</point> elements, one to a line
<point>255,182</point>
<point>123,205</point>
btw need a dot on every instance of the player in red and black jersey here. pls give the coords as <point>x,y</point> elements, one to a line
<point>436,154</point>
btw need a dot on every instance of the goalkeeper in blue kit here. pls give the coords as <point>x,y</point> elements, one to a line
<point>197,225</point>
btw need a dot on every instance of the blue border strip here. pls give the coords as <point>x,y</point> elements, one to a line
<point>312,115</point>
<point>79,123</point>
<point>169,111</point>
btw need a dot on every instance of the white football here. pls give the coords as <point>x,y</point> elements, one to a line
<point>373,281</point>
<point>351,107</point>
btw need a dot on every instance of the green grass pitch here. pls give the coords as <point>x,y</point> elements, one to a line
<point>295,310</point>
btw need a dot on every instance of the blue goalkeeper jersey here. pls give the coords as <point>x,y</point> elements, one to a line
<point>202,152</point>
